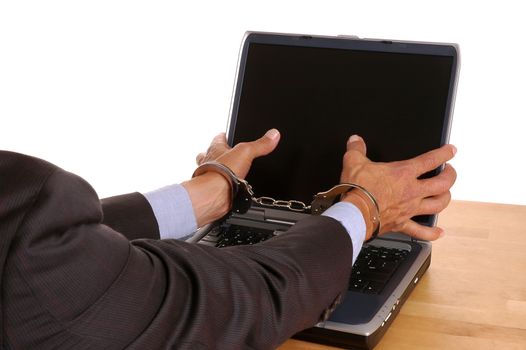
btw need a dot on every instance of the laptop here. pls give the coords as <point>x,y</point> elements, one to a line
<point>317,91</point>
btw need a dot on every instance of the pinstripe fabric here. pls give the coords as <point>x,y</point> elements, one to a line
<point>71,282</point>
<point>119,209</point>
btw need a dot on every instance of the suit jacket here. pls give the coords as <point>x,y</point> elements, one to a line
<point>80,274</point>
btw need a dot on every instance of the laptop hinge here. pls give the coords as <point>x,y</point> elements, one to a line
<point>284,222</point>
<point>281,216</point>
<point>252,214</point>
<point>265,214</point>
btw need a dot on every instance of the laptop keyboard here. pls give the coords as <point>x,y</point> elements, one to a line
<point>373,268</point>
<point>230,235</point>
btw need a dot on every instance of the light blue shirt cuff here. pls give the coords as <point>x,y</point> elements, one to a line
<point>352,219</point>
<point>173,210</point>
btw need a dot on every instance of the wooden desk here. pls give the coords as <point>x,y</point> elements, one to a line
<point>474,294</point>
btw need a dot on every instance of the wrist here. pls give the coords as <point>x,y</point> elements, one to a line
<point>210,197</point>
<point>356,198</point>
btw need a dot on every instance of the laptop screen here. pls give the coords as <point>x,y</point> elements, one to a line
<point>318,97</point>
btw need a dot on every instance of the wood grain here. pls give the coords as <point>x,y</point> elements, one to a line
<point>474,294</point>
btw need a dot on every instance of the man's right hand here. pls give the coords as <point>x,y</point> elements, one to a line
<point>397,189</point>
<point>209,192</point>
<point>240,157</point>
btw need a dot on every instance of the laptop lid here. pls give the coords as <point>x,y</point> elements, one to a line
<point>320,90</point>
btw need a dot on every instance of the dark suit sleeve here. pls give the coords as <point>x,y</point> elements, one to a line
<point>131,215</point>
<point>71,282</point>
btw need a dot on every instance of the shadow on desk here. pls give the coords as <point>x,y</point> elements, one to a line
<point>474,294</point>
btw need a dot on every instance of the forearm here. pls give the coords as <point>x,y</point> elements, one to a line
<point>261,294</point>
<point>352,219</point>
<point>180,210</point>
<point>210,197</point>
<point>359,202</point>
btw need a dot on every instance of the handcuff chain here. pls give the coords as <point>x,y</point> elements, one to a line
<point>293,205</point>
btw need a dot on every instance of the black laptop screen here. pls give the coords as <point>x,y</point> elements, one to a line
<point>318,97</point>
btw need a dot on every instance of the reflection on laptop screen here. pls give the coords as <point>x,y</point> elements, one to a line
<point>318,97</point>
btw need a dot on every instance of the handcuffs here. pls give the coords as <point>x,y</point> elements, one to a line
<point>242,195</point>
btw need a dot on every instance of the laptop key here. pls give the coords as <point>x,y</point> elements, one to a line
<point>374,287</point>
<point>232,235</point>
<point>374,267</point>
<point>388,266</point>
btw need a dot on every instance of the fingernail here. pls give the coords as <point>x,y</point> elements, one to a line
<point>272,134</point>
<point>442,233</point>
<point>454,149</point>
<point>354,138</point>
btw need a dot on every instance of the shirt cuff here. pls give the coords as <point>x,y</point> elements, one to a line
<point>173,210</point>
<point>352,219</point>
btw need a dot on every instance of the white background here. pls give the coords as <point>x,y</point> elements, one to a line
<point>126,93</point>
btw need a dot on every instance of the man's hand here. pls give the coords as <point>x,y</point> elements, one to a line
<point>396,187</point>
<point>240,157</point>
<point>210,192</point>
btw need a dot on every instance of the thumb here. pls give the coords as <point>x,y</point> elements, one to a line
<point>219,139</point>
<point>418,231</point>
<point>265,144</point>
<point>356,143</point>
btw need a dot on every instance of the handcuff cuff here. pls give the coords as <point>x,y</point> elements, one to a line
<point>242,195</point>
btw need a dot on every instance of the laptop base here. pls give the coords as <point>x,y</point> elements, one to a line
<point>360,341</point>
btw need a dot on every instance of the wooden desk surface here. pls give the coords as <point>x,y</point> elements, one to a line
<point>474,294</point>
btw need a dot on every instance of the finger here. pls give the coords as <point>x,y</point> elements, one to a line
<point>264,145</point>
<point>435,204</point>
<point>422,232</point>
<point>219,139</point>
<point>356,143</point>
<point>432,159</point>
<point>440,183</point>
<point>199,158</point>
<point>218,144</point>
